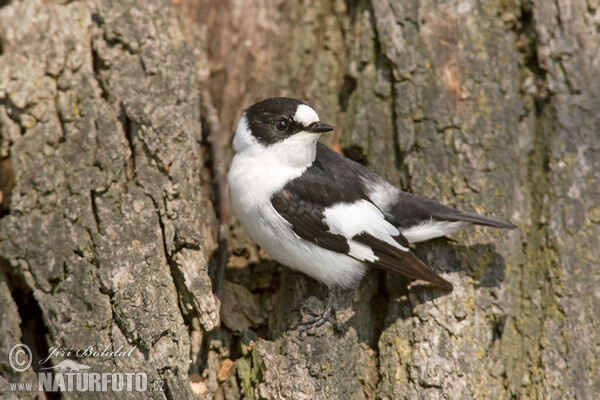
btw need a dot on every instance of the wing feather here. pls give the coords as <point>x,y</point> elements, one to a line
<point>411,210</point>
<point>405,263</point>
<point>372,244</point>
<point>307,221</point>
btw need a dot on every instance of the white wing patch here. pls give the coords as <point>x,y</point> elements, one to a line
<point>431,229</point>
<point>382,193</point>
<point>361,251</point>
<point>351,219</point>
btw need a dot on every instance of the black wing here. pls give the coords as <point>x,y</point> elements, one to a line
<point>303,201</point>
<point>401,262</point>
<point>307,221</point>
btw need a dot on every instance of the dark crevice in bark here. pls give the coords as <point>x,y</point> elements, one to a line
<point>544,115</point>
<point>497,329</point>
<point>95,210</point>
<point>215,161</point>
<point>62,120</point>
<point>201,363</point>
<point>527,34</point>
<point>116,320</point>
<point>6,186</point>
<point>168,391</point>
<point>56,280</point>
<point>14,113</point>
<point>115,42</point>
<point>350,84</point>
<point>98,19</point>
<point>98,66</point>
<point>379,310</point>
<point>380,302</point>
<point>353,7</point>
<point>348,87</point>
<point>401,154</point>
<point>385,64</point>
<point>184,297</point>
<point>127,125</point>
<point>33,329</point>
<point>356,153</point>
<point>221,255</point>
<point>121,326</point>
<point>536,248</point>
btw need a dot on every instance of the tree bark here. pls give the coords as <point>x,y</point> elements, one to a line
<point>108,225</point>
<point>105,239</point>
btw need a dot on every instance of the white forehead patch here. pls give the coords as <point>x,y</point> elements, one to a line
<point>305,115</point>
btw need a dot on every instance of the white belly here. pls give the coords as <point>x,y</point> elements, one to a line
<point>274,235</point>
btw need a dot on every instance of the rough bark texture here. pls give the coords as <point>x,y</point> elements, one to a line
<point>108,231</point>
<point>104,242</point>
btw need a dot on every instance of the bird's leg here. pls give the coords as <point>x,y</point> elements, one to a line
<point>320,319</point>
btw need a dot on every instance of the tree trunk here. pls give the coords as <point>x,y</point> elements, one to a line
<point>108,182</point>
<point>108,224</point>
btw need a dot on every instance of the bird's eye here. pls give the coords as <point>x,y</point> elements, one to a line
<point>281,125</point>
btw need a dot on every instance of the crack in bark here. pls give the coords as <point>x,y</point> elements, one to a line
<point>348,87</point>
<point>33,328</point>
<point>115,319</point>
<point>133,142</point>
<point>183,295</point>
<point>95,214</point>
<point>127,125</point>
<point>216,163</point>
<point>7,182</point>
<point>538,165</point>
<point>97,67</point>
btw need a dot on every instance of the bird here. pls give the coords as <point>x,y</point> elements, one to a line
<point>320,213</point>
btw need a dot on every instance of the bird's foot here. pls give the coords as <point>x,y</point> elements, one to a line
<point>319,319</point>
<point>316,321</point>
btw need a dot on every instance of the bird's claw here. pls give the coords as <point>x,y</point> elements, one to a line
<point>317,321</point>
<point>318,318</point>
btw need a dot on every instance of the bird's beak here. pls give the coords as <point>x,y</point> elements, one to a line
<point>319,127</point>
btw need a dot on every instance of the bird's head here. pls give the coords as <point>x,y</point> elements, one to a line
<point>283,124</point>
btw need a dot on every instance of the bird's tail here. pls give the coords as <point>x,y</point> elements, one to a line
<point>412,210</point>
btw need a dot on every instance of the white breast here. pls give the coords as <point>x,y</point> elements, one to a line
<point>258,171</point>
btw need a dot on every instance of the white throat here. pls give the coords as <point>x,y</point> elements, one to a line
<point>259,170</point>
<point>296,151</point>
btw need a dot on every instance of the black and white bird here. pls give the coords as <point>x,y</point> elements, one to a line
<point>323,214</point>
